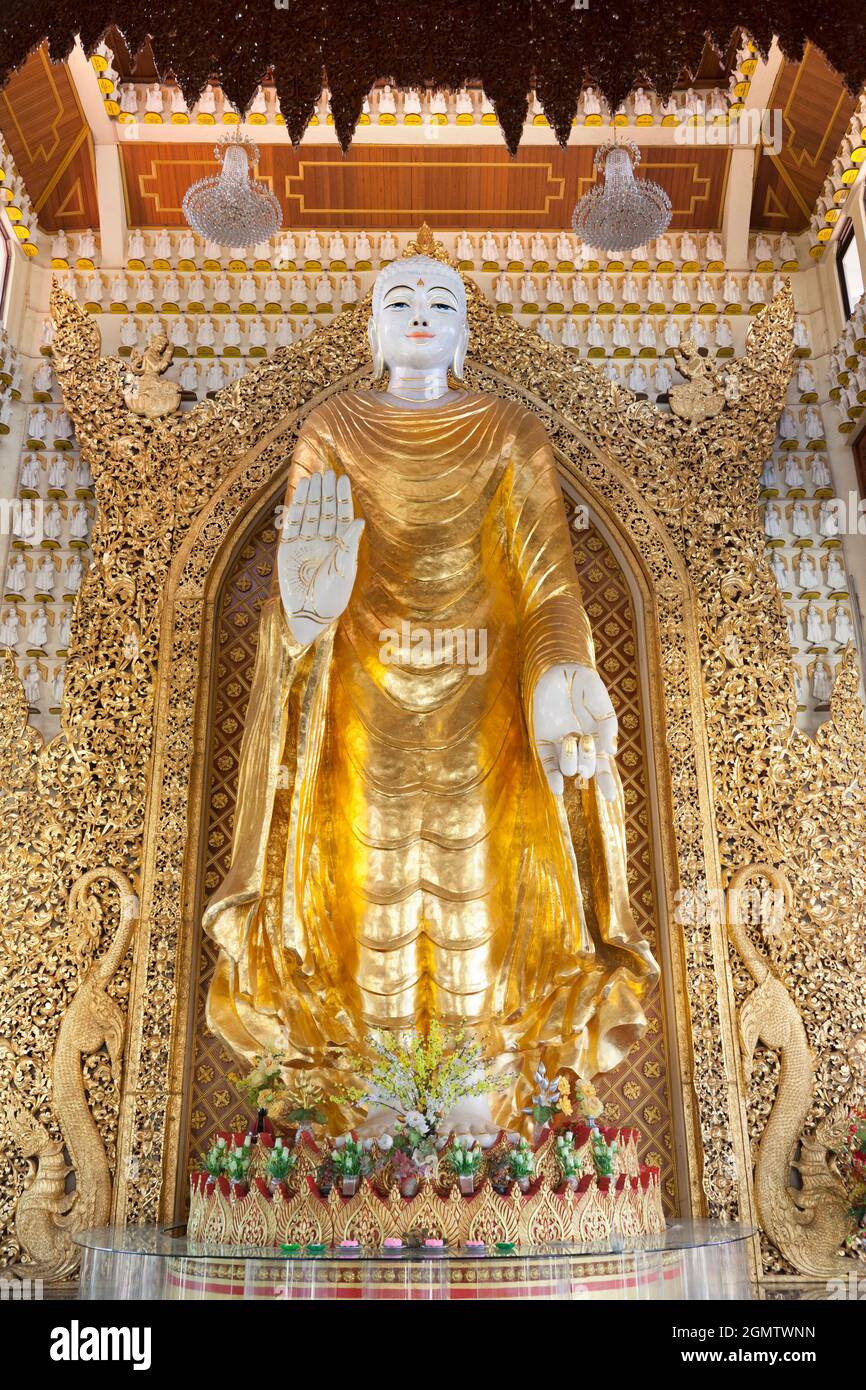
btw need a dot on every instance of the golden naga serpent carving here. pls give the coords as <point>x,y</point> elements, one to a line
<point>47,1215</point>
<point>808,1223</point>
<point>746,787</point>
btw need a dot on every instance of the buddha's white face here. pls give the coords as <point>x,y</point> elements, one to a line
<point>421,322</point>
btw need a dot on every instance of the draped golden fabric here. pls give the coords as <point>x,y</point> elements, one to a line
<point>397,853</point>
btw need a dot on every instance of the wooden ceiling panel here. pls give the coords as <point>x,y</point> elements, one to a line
<point>49,139</point>
<point>816,110</point>
<point>397,186</point>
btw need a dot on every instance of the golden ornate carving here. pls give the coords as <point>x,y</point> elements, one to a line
<point>145,394</point>
<point>45,1217</point>
<point>741,785</point>
<point>702,395</point>
<point>808,1224</point>
<point>251,1215</point>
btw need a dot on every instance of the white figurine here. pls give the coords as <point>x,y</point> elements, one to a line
<point>37,424</point>
<point>16,575</point>
<point>30,474</point>
<point>842,629</point>
<point>74,574</point>
<point>37,632</point>
<point>816,631</point>
<point>348,289</point>
<point>57,473</point>
<point>801,521</point>
<point>778,566</point>
<point>32,685</point>
<point>828,517</point>
<point>128,332</point>
<point>813,424</point>
<point>52,522</point>
<point>820,471</point>
<point>822,681</point>
<point>637,381</point>
<point>793,471</point>
<point>807,576</point>
<point>502,289</point>
<point>662,379</point>
<point>835,577</point>
<point>9,625</point>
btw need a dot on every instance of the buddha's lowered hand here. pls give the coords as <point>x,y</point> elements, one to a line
<point>574,727</point>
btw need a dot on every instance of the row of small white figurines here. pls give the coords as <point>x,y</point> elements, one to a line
<point>44,568</point>
<point>798,518</point>
<point>851,379</point>
<point>298,287</point>
<point>139,100</point>
<point>33,628</point>
<point>13,190</point>
<point>34,676</point>
<point>797,472</point>
<point>846,160</point>
<point>810,571</point>
<point>656,332</point>
<point>511,247</point>
<point>44,426</point>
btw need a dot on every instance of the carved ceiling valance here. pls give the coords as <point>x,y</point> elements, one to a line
<point>511,46</point>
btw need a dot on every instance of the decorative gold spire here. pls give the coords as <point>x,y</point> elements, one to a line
<point>426,244</point>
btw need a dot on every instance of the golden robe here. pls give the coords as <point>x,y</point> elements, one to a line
<point>397,852</point>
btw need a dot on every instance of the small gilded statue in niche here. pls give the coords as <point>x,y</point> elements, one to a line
<point>701,396</point>
<point>144,392</point>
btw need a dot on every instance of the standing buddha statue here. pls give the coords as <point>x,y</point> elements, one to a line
<point>403,836</point>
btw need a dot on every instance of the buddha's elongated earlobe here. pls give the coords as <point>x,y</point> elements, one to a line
<point>376,350</point>
<point>460,353</point>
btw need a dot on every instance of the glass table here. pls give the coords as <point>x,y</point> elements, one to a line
<point>706,1260</point>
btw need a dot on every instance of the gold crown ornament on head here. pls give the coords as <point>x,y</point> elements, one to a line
<point>426,244</point>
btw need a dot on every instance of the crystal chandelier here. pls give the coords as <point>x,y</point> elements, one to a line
<point>622,212</point>
<point>233,209</point>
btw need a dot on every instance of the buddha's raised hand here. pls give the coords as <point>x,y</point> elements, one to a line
<point>574,727</point>
<point>317,558</point>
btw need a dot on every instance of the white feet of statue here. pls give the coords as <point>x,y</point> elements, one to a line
<point>470,1118</point>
